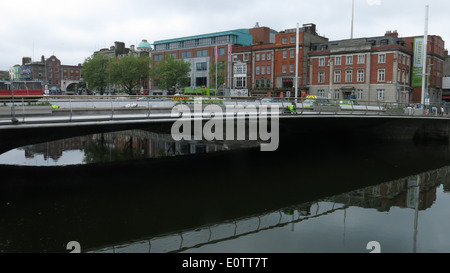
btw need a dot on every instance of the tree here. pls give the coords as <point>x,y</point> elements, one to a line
<point>221,74</point>
<point>95,72</point>
<point>130,71</point>
<point>171,73</point>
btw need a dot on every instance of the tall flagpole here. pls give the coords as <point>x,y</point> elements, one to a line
<point>353,15</point>
<point>424,56</point>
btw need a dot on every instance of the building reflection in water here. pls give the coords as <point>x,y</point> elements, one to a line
<point>416,192</point>
<point>121,146</point>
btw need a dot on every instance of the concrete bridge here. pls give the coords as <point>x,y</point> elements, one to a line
<point>23,124</point>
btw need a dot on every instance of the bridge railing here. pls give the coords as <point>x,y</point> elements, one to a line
<point>110,107</point>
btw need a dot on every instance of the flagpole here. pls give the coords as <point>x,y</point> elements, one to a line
<point>353,15</point>
<point>217,57</point>
<point>424,56</point>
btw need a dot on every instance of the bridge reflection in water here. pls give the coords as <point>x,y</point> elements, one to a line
<point>400,192</point>
<point>200,201</point>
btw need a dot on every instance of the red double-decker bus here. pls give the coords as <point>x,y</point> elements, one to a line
<point>29,90</point>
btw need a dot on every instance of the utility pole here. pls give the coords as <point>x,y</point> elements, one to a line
<point>424,56</point>
<point>353,15</point>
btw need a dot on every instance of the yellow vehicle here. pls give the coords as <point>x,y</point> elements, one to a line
<point>312,100</point>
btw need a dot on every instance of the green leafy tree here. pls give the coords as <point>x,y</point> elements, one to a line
<point>95,72</point>
<point>130,71</point>
<point>171,73</point>
<point>221,74</point>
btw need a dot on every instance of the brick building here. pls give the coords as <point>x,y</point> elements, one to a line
<point>434,69</point>
<point>263,62</point>
<point>367,69</point>
<point>271,65</point>
<point>199,51</point>
<point>58,78</point>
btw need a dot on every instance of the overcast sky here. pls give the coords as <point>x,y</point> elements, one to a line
<point>73,30</point>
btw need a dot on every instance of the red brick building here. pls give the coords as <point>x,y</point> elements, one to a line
<point>367,69</point>
<point>434,68</point>
<point>271,67</point>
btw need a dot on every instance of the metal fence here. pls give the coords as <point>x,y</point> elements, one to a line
<point>98,108</point>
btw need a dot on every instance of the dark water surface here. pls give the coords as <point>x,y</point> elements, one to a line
<point>138,191</point>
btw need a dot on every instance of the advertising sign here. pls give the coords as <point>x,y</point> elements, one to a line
<point>25,73</point>
<point>418,62</point>
<point>239,93</point>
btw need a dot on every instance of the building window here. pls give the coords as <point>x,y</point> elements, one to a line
<point>240,69</point>
<point>360,75</point>
<point>292,53</point>
<point>240,82</point>
<point>284,54</point>
<point>200,81</point>
<point>257,70</point>
<point>348,76</point>
<point>337,93</point>
<point>292,39</point>
<point>221,51</point>
<point>160,47</point>
<point>201,66</point>
<point>204,41</point>
<point>284,40</point>
<point>361,59</point>
<point>269,56</point>
<point>268,82</point>
<point>257,57</point>
<point>359,94</point>
<point>263,70</point>
<point>222,39</point>
<point>186,54</point>
<point>291,66</point>
<point>246,57</point>
<point>283,68</point>
<point>190,43</point>
<point>321,61</point>
<point>202,53</point>
<point>174,45</point>
<point>268,70</point>
<point>321,76</point>
<point>382,58</point>
<point>337,76</point>
<point>263,56</point>
<point>381,75</point>
<point>380,94</point>
<point>349,60</point>
<point>337,60</point>
<point>257,83</point>
<point>262,82</point>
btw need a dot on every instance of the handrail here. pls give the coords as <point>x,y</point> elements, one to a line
<point>73,107</point>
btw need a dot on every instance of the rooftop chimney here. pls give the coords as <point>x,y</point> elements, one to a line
<point>391,33</point>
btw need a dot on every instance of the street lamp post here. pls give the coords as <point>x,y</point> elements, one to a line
<point>13,110</point>
<point>330,62</point>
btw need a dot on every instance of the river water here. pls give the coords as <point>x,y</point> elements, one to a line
<point>141,192</point>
